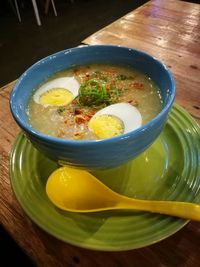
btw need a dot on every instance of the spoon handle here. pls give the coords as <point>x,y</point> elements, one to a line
<point>185,210</point>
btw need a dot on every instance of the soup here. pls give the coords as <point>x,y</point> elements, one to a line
<point>94,102</point>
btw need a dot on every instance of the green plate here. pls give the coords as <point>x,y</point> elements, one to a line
<point>168,170</point>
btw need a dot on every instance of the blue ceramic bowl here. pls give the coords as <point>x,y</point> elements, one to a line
<point>99,154</point>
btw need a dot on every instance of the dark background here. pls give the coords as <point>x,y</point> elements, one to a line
<point>22,44</point>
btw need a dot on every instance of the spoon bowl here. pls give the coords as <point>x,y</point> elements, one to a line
<point>77,190</point>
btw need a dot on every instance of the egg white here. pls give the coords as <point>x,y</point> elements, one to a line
<point>68,83</point>
<point>128,114</point>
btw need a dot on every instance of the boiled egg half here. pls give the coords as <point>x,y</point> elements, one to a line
<point>114,120</point>
<point>57,92</point>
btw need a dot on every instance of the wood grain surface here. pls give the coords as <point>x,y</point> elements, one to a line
<point>170,31</point>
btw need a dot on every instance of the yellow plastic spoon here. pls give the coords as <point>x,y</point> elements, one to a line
<point>79,191</point>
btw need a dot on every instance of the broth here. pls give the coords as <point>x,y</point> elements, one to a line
<point>107,84</point>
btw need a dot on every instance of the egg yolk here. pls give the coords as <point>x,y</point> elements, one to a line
<point>106,126</point>
<point>56,97</point>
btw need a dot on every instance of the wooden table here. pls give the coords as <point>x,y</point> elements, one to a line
<point>169,30</point>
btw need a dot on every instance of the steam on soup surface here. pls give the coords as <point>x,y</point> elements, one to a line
<point>93,102</point>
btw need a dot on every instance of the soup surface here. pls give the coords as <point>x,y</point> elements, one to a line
<point>65,105</point>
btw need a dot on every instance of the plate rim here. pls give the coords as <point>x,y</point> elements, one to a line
<point>180,225</point>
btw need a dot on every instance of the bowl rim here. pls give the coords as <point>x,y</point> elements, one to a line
<point>56,140</point>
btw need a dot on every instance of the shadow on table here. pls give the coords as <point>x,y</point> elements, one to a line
<point>16,254</point>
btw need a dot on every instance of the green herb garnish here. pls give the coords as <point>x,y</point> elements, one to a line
<point>93,93</point>
<point>103,78</point>
<point>122,77</point>
<point>60,110</point>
